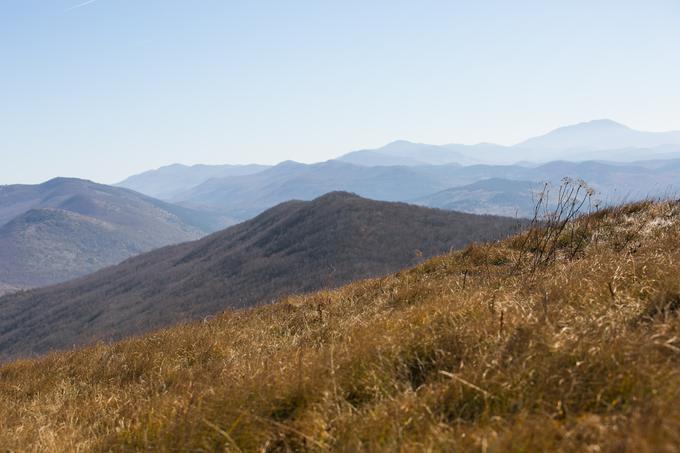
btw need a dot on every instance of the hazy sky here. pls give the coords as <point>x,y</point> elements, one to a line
<point>114,87</point>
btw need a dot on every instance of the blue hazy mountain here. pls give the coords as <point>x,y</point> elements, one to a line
<point>599,135</point>
<point>67,227</point>
<point>599,140</point>
<point>166,182</point>
<point>593,140</point>
<point>243,197</point>
<point>402,152</point>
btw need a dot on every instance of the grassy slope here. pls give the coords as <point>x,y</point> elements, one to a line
<point>459,352</point>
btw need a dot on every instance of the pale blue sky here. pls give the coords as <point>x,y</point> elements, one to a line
<point>116,87</point>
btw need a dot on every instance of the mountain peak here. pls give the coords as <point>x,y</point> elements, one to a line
<point>336,195</point>
<point>596,135</point>
<point>399,143</point>
<point>63,180</point>
<point>288,163</point>
<point>604,123</point>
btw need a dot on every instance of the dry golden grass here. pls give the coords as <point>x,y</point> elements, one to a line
<point>464,352</point>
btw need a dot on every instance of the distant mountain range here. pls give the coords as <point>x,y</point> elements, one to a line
<point>405,171</point>
<point>294,247</point>
<point>166,182</point>
<point>443,186</point>
<point>407,153</point>
<point>594,140</point>
<point>599,135</point>
<point>245,196</point>
<point>66,228</point>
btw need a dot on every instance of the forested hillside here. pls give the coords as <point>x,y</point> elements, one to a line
<point>294,247</point>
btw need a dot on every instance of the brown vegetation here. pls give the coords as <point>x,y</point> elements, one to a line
<point>462,352</point>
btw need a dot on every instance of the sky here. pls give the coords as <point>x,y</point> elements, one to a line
<point>108,88</point>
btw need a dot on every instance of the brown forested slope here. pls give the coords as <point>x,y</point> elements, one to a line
<point>294,247</point>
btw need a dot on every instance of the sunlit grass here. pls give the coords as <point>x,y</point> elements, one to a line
<point>470,351</point>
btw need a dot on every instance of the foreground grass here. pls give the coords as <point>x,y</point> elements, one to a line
<point>470,351</point>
